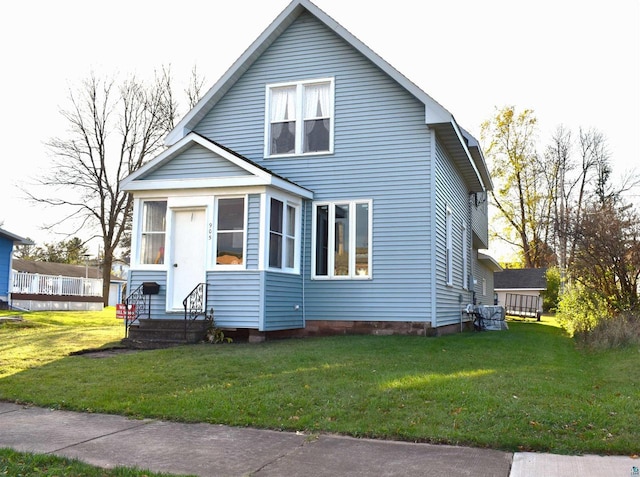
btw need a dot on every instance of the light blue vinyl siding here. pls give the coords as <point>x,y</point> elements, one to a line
<point>480,272</point>
<point>6,249</point>
<point>196,162</point>
<point>236,298</point>
<point>381,152</point>
<point>451,192</point>
<point>283,292</point>
<point>253,232</point>
<point>158,302</point>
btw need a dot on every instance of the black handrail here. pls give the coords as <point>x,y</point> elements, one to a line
<point>135,305</point>
<point>195,305</point>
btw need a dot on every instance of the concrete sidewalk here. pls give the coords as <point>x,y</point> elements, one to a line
<point>213,450</point>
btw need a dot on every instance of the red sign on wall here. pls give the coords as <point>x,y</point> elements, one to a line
<point>122,312</point>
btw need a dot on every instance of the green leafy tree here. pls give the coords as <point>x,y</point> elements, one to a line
<point>71,251</point>
<point>520,195</point>
<point>26,252</point>
<point>607,258</point>
<point>551,294</point>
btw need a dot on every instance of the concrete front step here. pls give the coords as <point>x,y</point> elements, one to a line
<point>150,333</point>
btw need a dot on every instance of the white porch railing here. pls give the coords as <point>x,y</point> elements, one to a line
<point>37,284</point>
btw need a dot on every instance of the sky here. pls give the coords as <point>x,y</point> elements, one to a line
<point>574,62</point>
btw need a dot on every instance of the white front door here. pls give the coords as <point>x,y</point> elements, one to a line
<point>187,267</point>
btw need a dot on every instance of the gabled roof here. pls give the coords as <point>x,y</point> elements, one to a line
<point>257,175</point>
<point>521,279</point>
<point>461,145</point>
<point>59,269</point>
<point>16,239</point>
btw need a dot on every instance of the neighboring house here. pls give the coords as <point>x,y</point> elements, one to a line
<point>120,269</point>
<point>60,286</point>
<point>7,241</point>
<point>521,289</point>
<point>315,188</point>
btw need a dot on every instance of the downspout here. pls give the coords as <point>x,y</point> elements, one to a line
<point>302,267</point>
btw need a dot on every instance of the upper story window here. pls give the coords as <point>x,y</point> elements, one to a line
<point>299,118</point>
<point>154,226</point>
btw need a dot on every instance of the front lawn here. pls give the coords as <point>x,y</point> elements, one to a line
<point>527,388</point>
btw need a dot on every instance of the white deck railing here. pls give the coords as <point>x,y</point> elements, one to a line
<point>37,284</point>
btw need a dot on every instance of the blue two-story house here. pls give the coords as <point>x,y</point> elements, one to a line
<point>315,189</point>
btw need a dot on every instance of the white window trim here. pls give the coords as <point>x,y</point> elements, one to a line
<point>214,234</point>
<point>299,117</point>
<point>465,256</point>
<point>353,273</point>
<point>136,238</point>
<point>449,247</point>
<point>297,205</point>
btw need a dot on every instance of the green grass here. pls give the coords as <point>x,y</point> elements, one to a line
<point>47,336</point>
<point>527,388</point>
<point>35,465</point>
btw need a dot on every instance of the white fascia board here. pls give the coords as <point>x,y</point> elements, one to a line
<point>483,257</point>
<point>519,289</point>
<point>291,187</point>
<point>221,182</point>
<point>205,183</point>
<point>463,143</point>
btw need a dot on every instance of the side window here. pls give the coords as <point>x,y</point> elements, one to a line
<point>342,240</point>
<point>282,234</point>
<point>299,118</point>
<point>230,231</point>
<point>154,225</point>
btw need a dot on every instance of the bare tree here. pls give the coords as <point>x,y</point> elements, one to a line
<point>194,90</point>
<point>114,128</point>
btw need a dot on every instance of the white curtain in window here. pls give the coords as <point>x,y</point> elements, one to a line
<point>316,101</point>
<point>283,104</point>
<point>154,216</point>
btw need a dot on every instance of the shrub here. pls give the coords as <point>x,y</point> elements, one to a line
<point>620,330</point>
<point>580,310</point>
<point>550,296</point>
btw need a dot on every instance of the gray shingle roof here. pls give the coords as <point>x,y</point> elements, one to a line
<point>521,278</point>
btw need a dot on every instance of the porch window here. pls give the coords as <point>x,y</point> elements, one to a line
<point>299,118</point>
<point>230,231</point>
<point>342,240</point>
<point>282,234</point>
<point>154,223</point>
